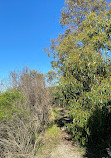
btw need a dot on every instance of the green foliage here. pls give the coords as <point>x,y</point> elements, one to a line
<point>51,75</point>
<point>75,11</point>
<point>58,98</point>
<point>80,57</point>
<point>9,103</point>
<point>92,75</point>
<point>82,110</point>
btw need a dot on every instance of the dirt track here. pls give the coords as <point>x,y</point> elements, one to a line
<point>65,150</point>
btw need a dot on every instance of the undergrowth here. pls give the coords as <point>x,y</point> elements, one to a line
<point>50,140</point>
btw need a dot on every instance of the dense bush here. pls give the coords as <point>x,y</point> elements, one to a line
<point>23,114</point>
<point>82,110</point>
<point>9,101</point>
<point>80,59</point>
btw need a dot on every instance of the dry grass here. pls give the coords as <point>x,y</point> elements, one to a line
<point>51,139</point>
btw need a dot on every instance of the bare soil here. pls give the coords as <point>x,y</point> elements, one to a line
<point>65,149</point>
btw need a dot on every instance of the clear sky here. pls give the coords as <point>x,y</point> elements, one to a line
<point>26,28</point>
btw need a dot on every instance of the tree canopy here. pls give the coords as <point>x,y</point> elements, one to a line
<point>80,57</point>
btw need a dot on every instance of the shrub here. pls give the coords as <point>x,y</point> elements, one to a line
<point>91,116</point>
<point>24,114</point>
<point>9,101</point>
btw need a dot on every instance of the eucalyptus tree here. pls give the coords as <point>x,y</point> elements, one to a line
<point>80,59</point>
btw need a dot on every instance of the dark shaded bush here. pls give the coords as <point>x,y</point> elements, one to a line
<point>99,138</point>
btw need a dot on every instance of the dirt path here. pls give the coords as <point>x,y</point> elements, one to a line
<point>65,147</point>
<point>65,150</point>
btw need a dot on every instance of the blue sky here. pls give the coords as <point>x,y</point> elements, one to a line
<point>26,28</point>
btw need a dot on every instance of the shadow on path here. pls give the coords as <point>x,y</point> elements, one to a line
<point>63,120</point>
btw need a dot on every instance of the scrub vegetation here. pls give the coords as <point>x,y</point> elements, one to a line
<point>23,114</point>
<point>82,67</point>
<point>76,100</point>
